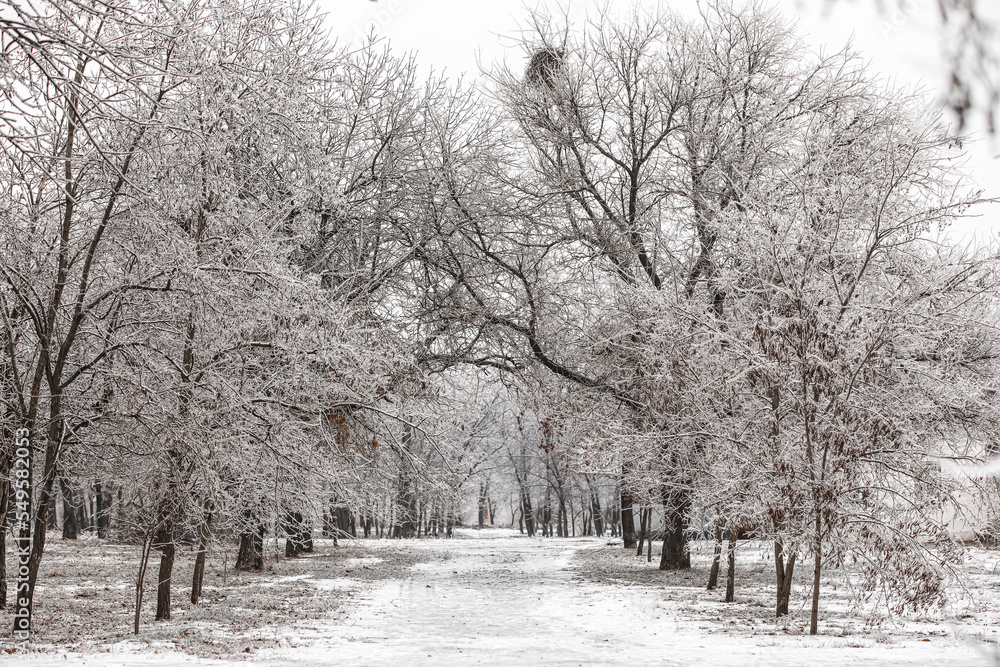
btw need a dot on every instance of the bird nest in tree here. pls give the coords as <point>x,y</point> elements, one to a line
<point>544,65</point>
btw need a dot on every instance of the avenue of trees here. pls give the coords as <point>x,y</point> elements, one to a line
<point>253,285</point>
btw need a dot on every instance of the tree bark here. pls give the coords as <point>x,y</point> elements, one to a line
<point>482,506</point>
<point>643,528</point>
<point>814,614</point>
<point>89,506</point>
<point>140,582</point>
<point>251,554</point>
<point>598,517</point>
<point>54,521</point>
<point>784,578</point>
<point>713,574</point>
<point>334,532</point>
<point>675,555</point>
<point>102,511</point>
<point>567,515</point>
<point>344,518</point>
<point>71,526</point>
<point>731,569</point>
<point>204,535</point>
<point>52,445</point>
<point>164,543</point>
<point>298,535</point>
<point>305,538</point>
<point>547,513</point>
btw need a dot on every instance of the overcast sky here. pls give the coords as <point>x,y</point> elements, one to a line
<point>457,35</point>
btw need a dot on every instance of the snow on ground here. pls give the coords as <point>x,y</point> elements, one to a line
<point>494,598</point>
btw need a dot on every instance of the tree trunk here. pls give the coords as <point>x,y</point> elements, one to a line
<point>71,527</point>
<point>675,555</point>
<point>628,519</point>
<point>713,574</point>
<point>305,538</point>
<point>407,510</point>
<point>298,535</point>
<point>643,528</point>
<point>140,582</point>
<point>164,543</point>
<point>814,615</point>
<point>90,504</point>
<point>529,516</point>
<point>81,512</point>
<point>598,517</point>
<point>343,522</point>
<point>291,535</point>
<point>251,554</point>
<point>103,521</point>
<point>784,579</point>
<point>731,570</point>
<point>204,535</point>
<point>37,537</point>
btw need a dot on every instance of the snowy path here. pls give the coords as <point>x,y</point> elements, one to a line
<point>512,601</point>
<point>495,601</point>
<point>501,599</point>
